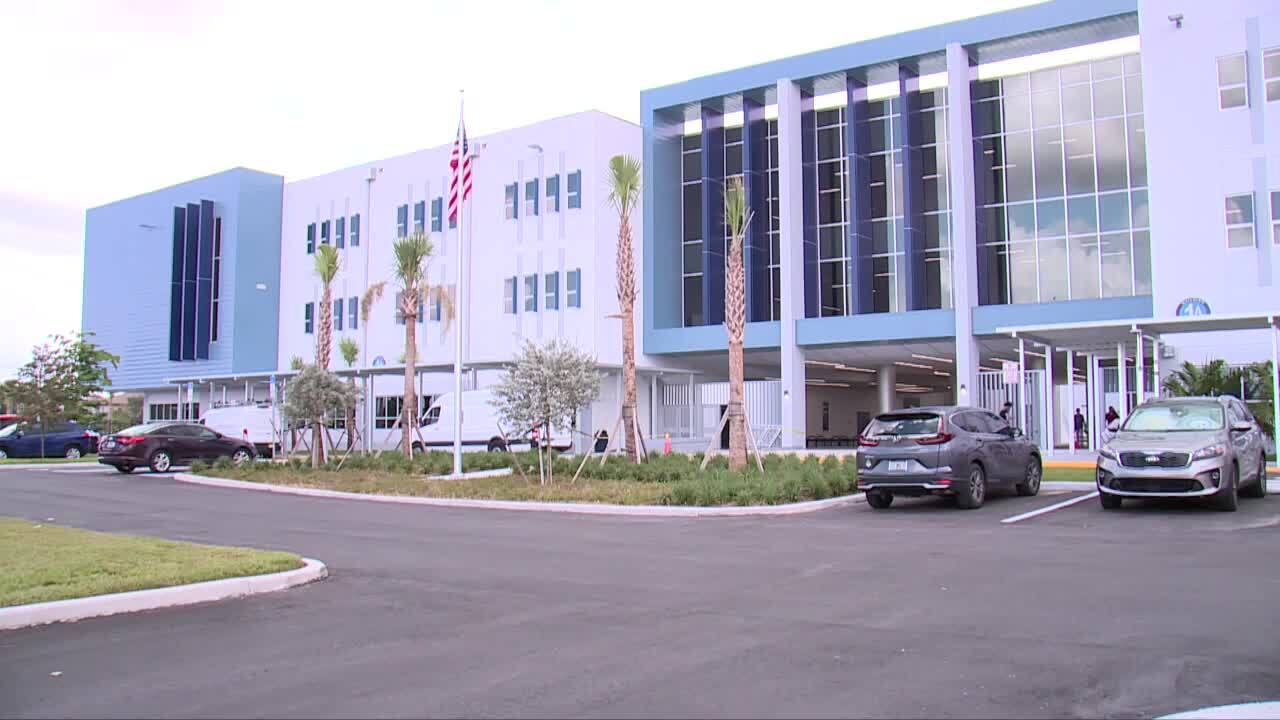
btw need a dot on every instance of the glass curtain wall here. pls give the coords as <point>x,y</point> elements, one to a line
<point>775,224</point>
<point>691,219</point>
<point>1061,184</point>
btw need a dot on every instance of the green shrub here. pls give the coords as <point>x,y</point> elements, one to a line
<point>223,463</point>
<point>199,466</point>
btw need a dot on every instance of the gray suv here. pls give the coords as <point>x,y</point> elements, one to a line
<point>951,450</point>
<point>1185,447</point>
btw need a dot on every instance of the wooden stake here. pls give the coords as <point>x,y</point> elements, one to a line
<point>715,437</point>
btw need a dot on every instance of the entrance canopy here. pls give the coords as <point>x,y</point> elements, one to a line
<point>1103,337</point>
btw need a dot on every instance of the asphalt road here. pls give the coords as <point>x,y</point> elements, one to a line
<point>922,610</point>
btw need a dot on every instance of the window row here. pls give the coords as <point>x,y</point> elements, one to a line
<point>345,231</point>
<point>420,217</point>
<point>551,190</point>
<point>387,409</point>
<point>1233,78</point>
<point>351,317</point>
<point>159,412</point>
<point>1240,220</point>
<point>516,294</point>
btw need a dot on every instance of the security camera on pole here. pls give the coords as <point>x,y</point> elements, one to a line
<point>459,191</point>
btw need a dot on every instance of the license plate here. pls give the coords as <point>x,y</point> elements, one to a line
<point>897,466</point>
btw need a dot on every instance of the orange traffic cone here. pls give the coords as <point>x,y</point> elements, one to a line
<point>666,445</point>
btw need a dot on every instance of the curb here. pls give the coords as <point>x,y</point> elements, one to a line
<point>21,616</point>
<point>474,475</point>
<point>530,506</point>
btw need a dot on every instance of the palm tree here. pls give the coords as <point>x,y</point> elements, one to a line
<point>412,259</point>
<point>1213,378</point>
<point>350,351</point>
<point>736,218</point>
<point>327,264</point>
<point>624,192</point>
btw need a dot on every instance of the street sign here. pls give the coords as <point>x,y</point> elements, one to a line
<point>1010,372</point>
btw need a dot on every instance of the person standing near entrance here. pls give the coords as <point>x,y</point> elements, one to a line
<point>1079,424</point>
<point>1006,411</point>
<point>1112,415</point>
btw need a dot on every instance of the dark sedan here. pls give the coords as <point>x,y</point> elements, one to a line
<point>69,440</point>
<point>957,451</point>
<point>162,446</point>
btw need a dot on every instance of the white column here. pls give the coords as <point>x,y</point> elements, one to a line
<point>693,407</point>
<point>1123,379</point>
<point>791,189</point>
<point>1155,365</point>
<point>964,232</point>
<point>1021,396</point>
<point>1092,412</point>
<point>179,401</point>
<point>653,405</point>
<point>1275,383</point>
<point>1071,396</point>
<point>1139,373</point>
<point>1051,417</point>
<point>887,386</point>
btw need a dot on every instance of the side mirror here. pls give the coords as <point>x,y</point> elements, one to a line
<point>1241,427</point>
<point>19,434</point>
<point>1015,432</point>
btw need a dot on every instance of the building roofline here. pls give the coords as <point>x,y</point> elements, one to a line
<point>887,48</point>
<point>228,171</point>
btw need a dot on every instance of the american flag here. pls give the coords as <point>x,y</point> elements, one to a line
<point>460,163</point>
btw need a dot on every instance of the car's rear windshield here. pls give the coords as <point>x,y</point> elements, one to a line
<point>903,425</point>
<point>144,429</point>
<point>1185,417</point>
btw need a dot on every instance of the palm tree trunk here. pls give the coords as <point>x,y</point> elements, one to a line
<point>324,346</point>
<point>626,279</point>
<point>408,414</point>
<point>735,326</point>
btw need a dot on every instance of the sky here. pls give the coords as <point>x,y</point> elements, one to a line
<point>98,94</point>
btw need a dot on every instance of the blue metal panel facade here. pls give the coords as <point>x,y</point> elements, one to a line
<point>179,233</point>
<point>912,190</point>
<point>204,281</point>
<point>856,143</point>
<point>130,264</point>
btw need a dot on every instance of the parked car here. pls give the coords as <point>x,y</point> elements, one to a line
<point>953,450</point>
<point>252,423</point>
<point>1185,447</point>
<point>163,446</point>
<point>69,440</point>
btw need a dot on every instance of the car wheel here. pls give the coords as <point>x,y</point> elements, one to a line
<point>879,499</point>
<point>974,493</point>
<point>1030,484</point>
<point>126,469</point>
<point>497,445</point>
<point>72,452</point>
<point>161,461</point>
<point>1258,488</point>
<point>1109,501</point>
<point>416,447</point>
<point>1226,499</point>
<point>4,455</point>
<point>241,456</point>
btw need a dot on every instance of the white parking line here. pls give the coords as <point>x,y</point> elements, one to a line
<point>1049,509</point>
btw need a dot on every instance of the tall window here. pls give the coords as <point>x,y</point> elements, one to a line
<point>1061,183</point>
<point>158,412</point>
<point>337,315</point>
<point>1233,81</point>
<point>437,212</point>
<point>531,293</point>
<point>311,238</point>
<point>574,194</point>
<point>386,411</point>
<point>510,201</point>
<point>551,291</point>
<point>833,172</point>
<point>530,198</point>
<point>353,313</point>
<point>308,318</point>
<point>340,232</point>
<point>419,216</point>
<point>573,289</point>
<point>217,278</point>
<point>355,230</point>
<point>402,221</point>
<point>509,296</point>
<point>324,232</point>
<point>691,222</point>
<point>553,193</point>
<point>437,308</point>
<point>826,416</point>
<point>775,224</point>
<point>1240,220</point>
<point>1271,73</point>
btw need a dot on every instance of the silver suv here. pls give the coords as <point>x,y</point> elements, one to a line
<point>953,450</point>
<point>1185,447</point>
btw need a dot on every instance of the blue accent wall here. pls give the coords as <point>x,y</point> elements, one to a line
<point>809,195</point>
<point>913,240</point>
<point>857,140</point>
<point>204,282</point>
<point>713,246</point>
<point>179,233</point>
<point>712,338</point>
<point>129,267</point>
<point>876,327</point>
<point>988,318</point>
<point>755,173</point>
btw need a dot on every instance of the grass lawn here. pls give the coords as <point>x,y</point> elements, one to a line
<point>48,461</point>
<point>1084,475</point>
<point>40,563</point>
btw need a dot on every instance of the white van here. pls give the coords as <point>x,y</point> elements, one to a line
<point>481,428</point>
<point>244,422</point>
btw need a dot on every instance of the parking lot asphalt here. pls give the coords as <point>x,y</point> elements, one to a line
<point>920,610</point>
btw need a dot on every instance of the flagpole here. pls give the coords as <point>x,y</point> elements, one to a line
<point>459,304</point>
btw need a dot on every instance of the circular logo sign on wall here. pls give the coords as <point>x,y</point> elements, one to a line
<point>379,361</point>
<point>1192,306</point>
